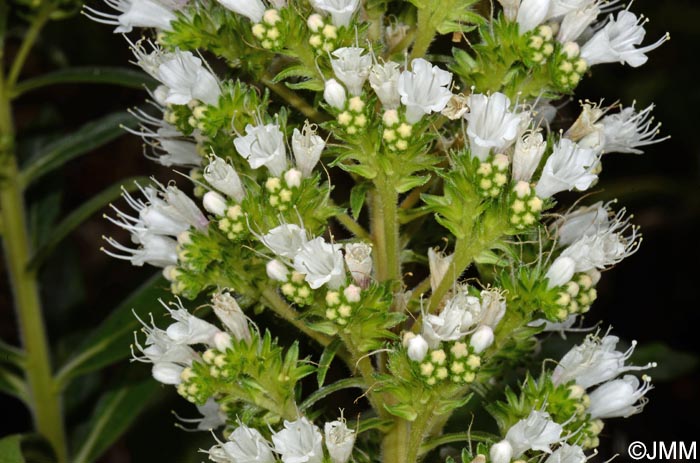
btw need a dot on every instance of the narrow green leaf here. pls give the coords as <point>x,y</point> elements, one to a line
<point>12,384</point>
<point>326,358</point>
<point>10,354</point>
<point>374,423</point>
<point>79,215</point>
<point>405,411</point>
<point>11,449</point>
<point>111,340</point>
<point>357,198</point>
<point>114,412</point>
<point>330,389</point>
<point>82,141</point>
<point>125,77</point>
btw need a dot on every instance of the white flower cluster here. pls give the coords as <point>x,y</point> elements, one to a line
<point>166,213</point>
<point>299,441</point>
<point>136,13</point>
<point>614,39</point>
<point>596,362</point>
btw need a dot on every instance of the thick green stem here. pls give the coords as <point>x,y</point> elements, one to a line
<point>425,33</point>
<point>45,397</point>
<point>385,231</point>
<point>27,44</point>
<point>396,442</point>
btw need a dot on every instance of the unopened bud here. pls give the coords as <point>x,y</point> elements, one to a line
<point>277,271</point>
<point>481,339</point>
<point>215,203</point>
<point>417,348</point>
<point>334,94</point>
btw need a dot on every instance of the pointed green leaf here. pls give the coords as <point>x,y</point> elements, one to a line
<point>125,77</point>
<point>330,389</point>
<point>10,354</point>
<point>326,358</point>
<point>405,411</point>
<point>82,141</point>
<point>79,215</point>
<point>111,340</point>
<point>11,449</point>
<point>357,198</point>
<point>114,412</point>
<point>12,384</point>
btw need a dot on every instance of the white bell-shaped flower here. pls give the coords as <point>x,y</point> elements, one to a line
<point>212,416</point>
<point>285,240</point>
<point>567,454</point>
<point>384,79</point>
<point>187,79</point>
<point>339,440</point>
<point>527,155</point>
<point>568,167</point>
<point>438,263</point>
<point>245,445</point>
<point>341,11</point>
<point>222,176</point>
<point>358,258</point>
<point>307,148</point>
<point>351,66</point>
<point>617,42</point>
<point>424,89</point>
<point>454,322</point>
<point>490,124</point>
<point>322,264</point>
<point>576,22</point>
<point>299,442</point>
<point>187,328</point>
<point>620,398</point>
<point>531,14</point>
<point>176,153</point>
<point>584,221</point>
<point>230,314</point>
<point>251,9</point>
<point>263,145</point>
<point>536,432</point>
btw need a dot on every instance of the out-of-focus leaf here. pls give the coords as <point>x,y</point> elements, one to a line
<point>124,77</point>
<point>10,354</point>
<point>81,214</point>
<point>82,141</point>
<point>13,384</point>
<point>110,341</point>
<point>114,412</point>
<point>326,358</point>
<point>42,215</point>
<point>671,364</point>
<point>11,449</point>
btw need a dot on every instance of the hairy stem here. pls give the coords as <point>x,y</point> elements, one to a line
<point>294,100</point>
<point>396,442</point>
<point>284,310</point>
<point>425,33</point>
<point>385,231</point>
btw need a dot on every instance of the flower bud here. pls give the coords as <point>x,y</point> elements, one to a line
<point>358,258</point>
<point>560,272</point>
<point>352,293</point>
<point>571,49</point>
<point>334,94</point>
<point>339,441</point>
<point>277,271</point>
<point>315,22</point>
<point>501,452</point>
<point>293,178</point>
<point>417,348</point>
<point>481,339</point>
<point>222,341</point>
<point>215,203</point>
<point>222,176</point>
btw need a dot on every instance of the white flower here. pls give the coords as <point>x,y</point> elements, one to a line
<point>187,328</point>
<point>576,22</point>
<point>438,263</point>
<point>619,398</point>
<point>416,346</point>
<point>384,79</point>
<point>531,14</point>
<point>212,416</point>
<point>481,339</point>
<point>334,94</point>
<point>351,67</point>
<point>568,167</point>
<point>358,258</point>
<point>299,442</point>
<point>285,240</point>
<point>457,317</point>
<point>214,203</point>
<point>424,89</point>
<point>340,10</point>
<point>560,272</point>
<point>607,246</point>
<point>560,8</point>
<point>245,445</point>
<point>491,125</point>
<point>584,221</point>
<point>134,13</point>
<point>321,263</point>
<point>251,9</point>
<point>616,42</point>
<point>628,130</point>
<point>567,454</point>
<point>493,308</point>
<point>510,8</point>
<point>307,148</point>
<point>536,432</point>
<point>222,176</point>
<point>339,440</point>
<point>187,79</point>
<point>559,327</point>
<point>527,155</point>
<point>587,122</point>
<point>263,145</point>
<point>230,314</point>
<point>501,452</point>
<point>176,153</point>
<point>594,362</point>
<point>156,250</point>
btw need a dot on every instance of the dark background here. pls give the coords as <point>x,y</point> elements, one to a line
<point>651,297</point>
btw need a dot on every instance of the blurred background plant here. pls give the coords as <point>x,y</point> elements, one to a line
<point>67,392</point>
